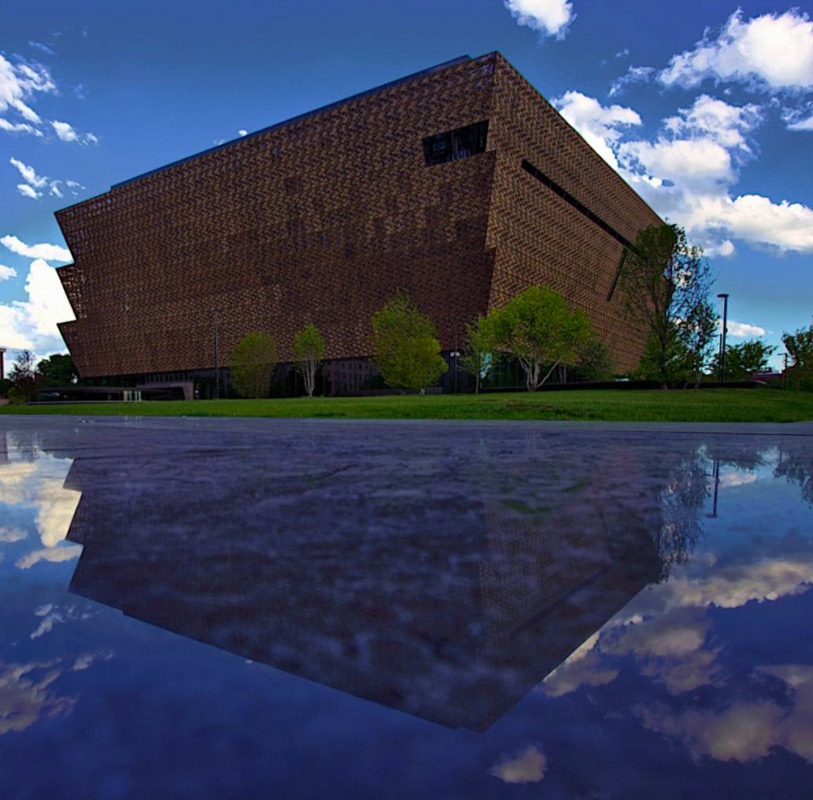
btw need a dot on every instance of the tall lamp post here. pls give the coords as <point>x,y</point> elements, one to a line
<point>216,310</point>
<point>722,340</point>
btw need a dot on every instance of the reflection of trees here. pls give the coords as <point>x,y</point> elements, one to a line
<point>682,501</point>
<point>797,467</point>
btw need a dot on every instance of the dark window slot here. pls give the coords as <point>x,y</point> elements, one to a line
<point>568,198</point>
<point>455,144</point>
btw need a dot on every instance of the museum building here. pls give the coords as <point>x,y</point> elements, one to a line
<point>459,185</point>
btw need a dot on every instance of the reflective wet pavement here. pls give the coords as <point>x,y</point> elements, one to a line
<point>411,609</point>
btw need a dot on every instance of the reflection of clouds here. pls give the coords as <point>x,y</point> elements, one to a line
<point>52,615</point>
<point>25,697</point>
<point>731,479</point>
<point>86,660</point>
<point>583,667</point>
<point>14,481</point>
<point>528,768</point>
<point>54,555</point>
<point>38,483</point>
<point>9,535</point>
<point>734,586</point>
<point>745,731</point>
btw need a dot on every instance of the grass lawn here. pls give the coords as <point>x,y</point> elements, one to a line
<point>717,405</point>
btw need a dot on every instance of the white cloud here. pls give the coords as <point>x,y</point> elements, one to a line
<point>242,132</point>
<point>19,83</point>
<point>49,252</point>
<point>632,75</point>
<point>32,324</point>
<point>18,127</point>
<point>34,183</point>
<point>527,768</point>
<point>600,126</point>
<point>687,171</point>
<point>29,173</point>
<point>717,120</point>
<point>549,17</point>
<point>743,329</point>
<point>772,51</point>
<point>7,272</point>
<point>801,124</point>
<point>65,131</point>
<point>28,191</point>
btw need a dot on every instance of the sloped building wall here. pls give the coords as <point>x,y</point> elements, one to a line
<point>322,219</point>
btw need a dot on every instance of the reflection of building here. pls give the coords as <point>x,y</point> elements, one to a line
<point>460,185</point>
<point>445,609</point>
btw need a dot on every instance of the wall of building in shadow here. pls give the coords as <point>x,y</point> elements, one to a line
<point>450,610</point>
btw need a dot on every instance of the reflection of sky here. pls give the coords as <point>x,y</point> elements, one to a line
<point>756,552</point>
<point>709,670</point>
<point>35,508</point>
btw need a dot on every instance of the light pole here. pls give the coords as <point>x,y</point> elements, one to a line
<point>722,340</point>
<point>216,310</point>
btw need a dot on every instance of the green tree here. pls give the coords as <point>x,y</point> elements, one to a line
<point>697,333</point>
<point>666,362</point>
<point>540,330</point>
<point>252,365</point>
<point>799,345</point>
<point>23,374</point>
<point>57,370</point>
<point>664,282</point>
<point>476,359</point>
<point>309,348</point>
<point>405,346</point>
<point>595,360</point>
<point>743,360</point>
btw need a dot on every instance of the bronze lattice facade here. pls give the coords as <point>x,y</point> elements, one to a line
<point>460,185</point>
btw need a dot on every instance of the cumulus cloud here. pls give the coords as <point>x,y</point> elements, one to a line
<point>49,252</point>
<point>743,329</point>
<point>771,51</point>
<point>687,171</point>
<point>527,768</point>
<point>549,17</point>
<point>600,126</point>
<point>7,272</point>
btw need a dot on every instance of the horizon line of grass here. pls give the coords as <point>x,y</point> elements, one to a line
<point>630,405</point>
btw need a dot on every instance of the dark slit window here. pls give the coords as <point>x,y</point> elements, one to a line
<point>459,143</point>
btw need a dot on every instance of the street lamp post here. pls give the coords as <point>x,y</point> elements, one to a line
<point>217,365</point>
<point>722,340</point>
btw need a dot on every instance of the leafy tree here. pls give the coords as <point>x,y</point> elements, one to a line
<point>540,330</point>
<point>23,374</point>
<point>744,359</point>
<point>309,348</point>
<point>664,281</point>
<point>476,359</point>
<point>595,360</point>
<point>252,365</point>
<point>697,333</point>
<point>406,350</point>
<point>57,370</point>
<point>667,362</point>
<point>800,348</point>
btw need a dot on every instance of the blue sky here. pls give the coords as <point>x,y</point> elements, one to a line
<point>707,109</point>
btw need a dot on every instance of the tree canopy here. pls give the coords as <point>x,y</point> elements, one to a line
<point>665,283</point>
<point>252,365</point>
<point>406,349</point>
<point>541,331</point>
<point>744,359</point>
<point>57,370</point>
